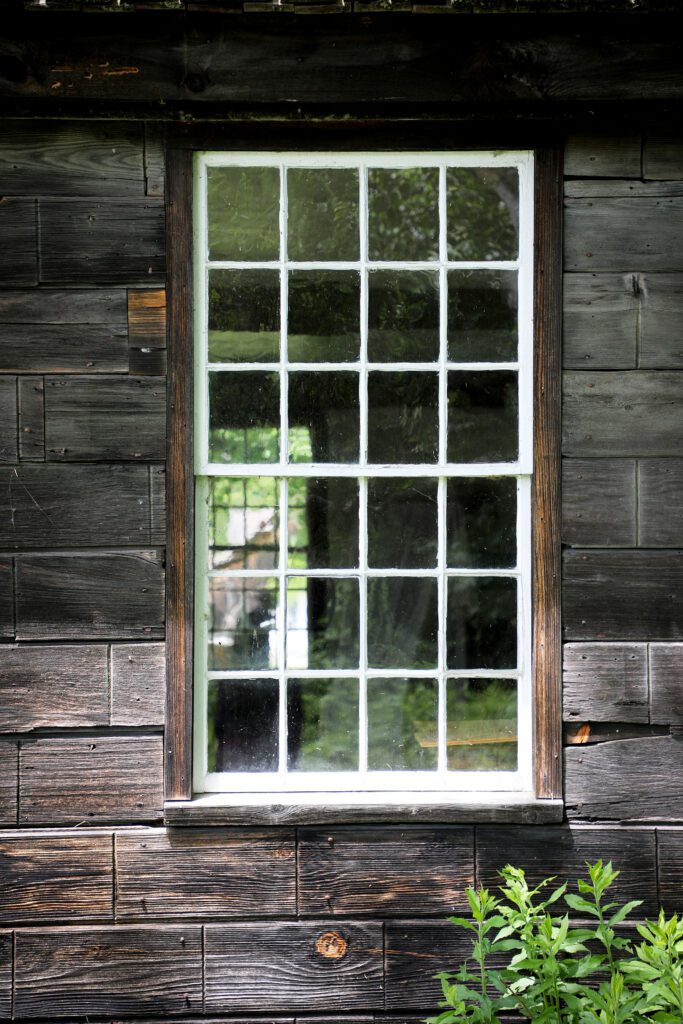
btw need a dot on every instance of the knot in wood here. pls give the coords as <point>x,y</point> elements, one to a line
<point>331,945</point>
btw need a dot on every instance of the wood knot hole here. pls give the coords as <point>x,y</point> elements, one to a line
<point>331,945</point>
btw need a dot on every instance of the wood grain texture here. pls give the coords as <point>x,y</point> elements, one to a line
<point>599,502</point>
<point>6,954</point>
<point>415,951</point>
<point>620,189</point>
<point>106,970</point>
<point>239,956</point>
<point>71,306</point>
<point>211,873</point>
<point>634,780</point>
<point>660,503</point>
<point>622,414</point>
<point>31,419</point>
<point>8,419</point>
<point>670,866</point>
<point>44,686</point>
<point>155,154</point>
<point>112,595</point>
<point>622,595</point>
<point>666,684</point>
<point>624,234</point>
<point>138,684</point>
<point>602,318</point>
<point>605,683</point>
<point>8,782</point>
<point>55,877</point>
<point>662,153</point>
<point>147,331</point>
<point>660,342</point>
<point>157,492</point>
<point>19,250</point>
<point>7,624</point>
<point>63,348</point>
<point>67,780</point>
<point>603,154</point>
<point>95,419</point>
<point>387,871</point>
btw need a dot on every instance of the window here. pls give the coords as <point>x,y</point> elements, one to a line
<point>363,476</point>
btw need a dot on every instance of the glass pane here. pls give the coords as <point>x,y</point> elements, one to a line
<point>403,316</point>
<point>402,716</point>
<point>244,417</point>
<point>324,316</point>
<point>322,219</point>
<point>482,315</point>
<point>244,316</point>
<point>324,423</point>
<point>322,523</point>
<point>403,213</point>
<point>402,523</point>
<point>322,622</point>
<point>481,523</point>
<point>483,213</point>
<point>402,622</point>
<point>481,730</point>
<point>482,416</point>
<point>403,417</point>
<point>243,213</point>
<point>322,725</point>
<point>242,725</point>
<point>481,627</point>
<point>242,623</point>
<point>244,528</point>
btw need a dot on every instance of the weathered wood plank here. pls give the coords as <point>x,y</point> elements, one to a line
<point>99,418</point>
<point>155,156</point>
<point>157,488</point>
<point>666,683</point>
<point>5,974</point>
<point>31,419</point>
<point>622,414</point>
<point>624,234</point>
<point>660,503</point>
<point>605,683</point>
<point>101,241</point>
<point>67,780</point>
<point>563,851</point>
<point>106,970</point>
<point>599,502</point>
<point>311,966</point>
<point>64,506</point>
<point>661,345</point>
<point>670,864</point>
<point>604,154</point>
<point>74,306</point>
<point>622,595</point>
<point>19,251</point>
<point>55,877</point>
<point>44,686</point>
<point>414,954</point>
<point>63,348</point>
<point>7,598</point>
<point>387,872</point>
<point>623,189</point>
<point>147,331</point>
<point>8,419</point>
<point>662,154</point>
<point>8,782</point>
<point>113,595</point>
<point>634,780</point>
<point>138,684</point>
<point>601,321</point>
<point>213,873</point>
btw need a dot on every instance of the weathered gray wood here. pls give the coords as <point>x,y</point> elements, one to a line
<point>8,782</point>
<point>66,506</point>
<point>601,321</point>
<point>309,967</point>
<point>61,877</point>
<point>147,331</point>
<point>660,497</point>
<point>155,154</point>
<point>19,250</point>
<point>63,348</point>
<point>102,241</point>
<point>661,341</point>
<point>613,154</point>
<point>115,595</point>
<point>663,154</point>
<point>622,414</point>
<point>31,419</point>
<point>635,780</point>
<point>8,419</point>
<point>5,974</point>
<point>98,418</point>
<point>575,735</point>
<point>62,972</point>
<point>622,595</point>
<point>212,873</point>
<point>74,306</point>
<point>563,851</point>
<point>414,953</point>
<point>6,598</point>
<point>623,189</point>
<point>68,780</point>
<point>138,684</point>
<point>666,683</point>
<point>53,686</point>
<point>157,487</point>
<point>599,502</point>
<point>670,864</point>
<point>605,683</point>
<point>624,234</point>
<point>387,872</point>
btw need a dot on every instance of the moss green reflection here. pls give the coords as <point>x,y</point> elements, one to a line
<point>324,316</point>
<point>402,622</point>
<point>322,725</point>
<point>481,724</point>
<point>244,316</point>
<point>244,417</point>
<point>243,213</point>
<point>322,220</point>
<point>402,724</point>
<point>403,213</point>
<point>483,213</point>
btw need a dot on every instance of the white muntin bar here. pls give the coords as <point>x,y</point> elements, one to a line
<point>358,367</point>
<point>429,265</point>
<point>330,469</point>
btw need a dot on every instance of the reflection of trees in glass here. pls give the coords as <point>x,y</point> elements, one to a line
<point>481,522</point>
<point>403,316</point>
<point>403,213</point>
<point>322,724</point>
<point>402,724</point>
<point>243,213</point>
<point>322,215</point>
<point>481,629</point>
<point>478,710</point>
<point>483,213</point>
<point>402,622</point>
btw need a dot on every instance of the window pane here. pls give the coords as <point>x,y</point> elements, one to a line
<point>242,722</point>
<point>322,622</point>
<point>482,315</point>
<point>481,522</point>
<point>483,213</point>
<point>403,417</point>
<point>244,316</point>
<point>322,221</point>
<point>324,423</point>
<point>403,316</point>
<point>402,622</point>
<point>402,724</point>
<point>482,622</point>
<point>242,623</point>
<point>481,716</point>
<point>324,316</point>
<point>403,213</point>
<point>243,213</point>
<point>322,523</point>
<point>402,523</point>
<point>482,416</point>
<point>244,417</point>
<point>243,518</point>
<point>322,725</point>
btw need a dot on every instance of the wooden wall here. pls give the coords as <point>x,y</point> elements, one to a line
<point>103,912</point>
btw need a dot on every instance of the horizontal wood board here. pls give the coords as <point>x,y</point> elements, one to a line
<point>43,686</point>
<point>605,682</point>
